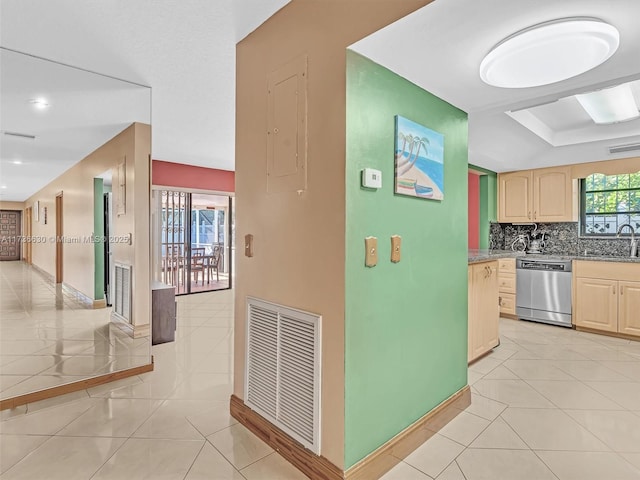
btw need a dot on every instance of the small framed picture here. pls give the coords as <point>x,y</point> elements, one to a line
<point>36,210</point>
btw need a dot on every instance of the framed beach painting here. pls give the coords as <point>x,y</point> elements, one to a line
<point>419,160</point>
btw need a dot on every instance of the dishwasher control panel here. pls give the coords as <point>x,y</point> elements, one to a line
<point>547,265</point>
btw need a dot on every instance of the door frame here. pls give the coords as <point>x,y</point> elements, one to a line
<point>59,233</point>
<point>28,227</point>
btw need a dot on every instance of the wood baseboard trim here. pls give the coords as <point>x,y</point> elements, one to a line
<point>510,315</point>
<point>100,303</point>
<point>307,462</point>
<point>608,334</point>
<point>14,402</point>
<point>372,466</point>
<point>134,331</point>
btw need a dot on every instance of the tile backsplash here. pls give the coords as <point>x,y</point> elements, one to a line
<point>561,239</point>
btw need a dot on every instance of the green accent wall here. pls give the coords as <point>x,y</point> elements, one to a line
<point>98,247</point>
<point>488,202</point>
<point>405,323</point>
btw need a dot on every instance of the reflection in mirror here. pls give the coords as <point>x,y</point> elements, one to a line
<point>74,226</point>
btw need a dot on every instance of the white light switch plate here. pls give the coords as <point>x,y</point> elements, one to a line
<point>371,178</point>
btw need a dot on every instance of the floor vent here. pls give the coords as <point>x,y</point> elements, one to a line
<point>282,381</point>
<point>122,287</point>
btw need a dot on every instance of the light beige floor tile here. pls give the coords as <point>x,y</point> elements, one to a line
<point>573,394</point>
<point>485,407</point>
<point>589,371</point>
<point>212,420</point>
<point>485,365</point>
<point>273,467</point>
<point>536,370</point>
<point>35,383</point>
<point>473,377</point>
<point>553,352</point>
<point>499,435</point>
<point>239,446</point>
<point>464,428</point>
<point>501,373</point>
<point>628,369</point>
<point>452,472</point>
<point>502,352</point>
<point>404,471</point>
<point>546,429</point>
<point>210,386</point>
<point>47,421</point>
<point>602,352</point>
<point>170,421</point>
<point>620,430</point>
<point>632,458</point>
<point>211,465</point>
<point>496,464</point>
<point>112,418</point>
<point>32,364</point>
<point>8,381</point>
<point>515,393</point>
<point>626,394</point>
<point>65,458</point>
<point>14,448</point>
<point>433,456</point>
<point>589,466</point>
<point>150,459</point>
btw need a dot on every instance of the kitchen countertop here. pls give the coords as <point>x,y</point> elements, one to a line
<point>484,255</point>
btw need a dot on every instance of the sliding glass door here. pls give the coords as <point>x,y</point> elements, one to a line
<point>195,248</point>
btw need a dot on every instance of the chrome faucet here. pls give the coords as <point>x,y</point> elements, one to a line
<point>634,242</point>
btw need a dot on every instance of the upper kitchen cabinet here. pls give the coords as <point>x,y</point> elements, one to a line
<point>541,195</point>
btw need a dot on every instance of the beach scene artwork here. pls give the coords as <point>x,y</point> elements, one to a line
<point>419,158</point>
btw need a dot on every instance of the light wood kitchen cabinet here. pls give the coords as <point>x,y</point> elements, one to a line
<point>483,308</point>
<point>607,297</point>
<point>629,308</point>
<point>541,195</point>
<point>507,286</point>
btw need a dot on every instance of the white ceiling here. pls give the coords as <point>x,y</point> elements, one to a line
<point>185,50</point>
<point>440,48</point>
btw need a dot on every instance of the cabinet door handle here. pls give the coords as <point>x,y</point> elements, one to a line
<point>535,215</point>
<point>614,289</point>
<point>529,215</point>
<point>500,301</point>
<point>621,290</point>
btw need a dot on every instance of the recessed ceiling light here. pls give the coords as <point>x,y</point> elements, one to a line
<point>17,162</point>
<point>549,52</point>
<point>39,103</point>
<point>3,186</point>
<point>610,105</point>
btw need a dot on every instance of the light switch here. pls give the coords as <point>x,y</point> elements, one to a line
<point>248,245</point>
<point>371,251</point>
<point>396,244</point>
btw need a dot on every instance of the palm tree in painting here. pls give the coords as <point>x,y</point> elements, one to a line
<point>400,151</point>
<point>400,160</point>
<point>421,143</point>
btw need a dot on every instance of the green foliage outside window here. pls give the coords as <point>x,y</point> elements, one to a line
<point>609,201</point>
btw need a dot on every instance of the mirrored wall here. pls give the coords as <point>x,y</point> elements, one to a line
<point>74,177</point>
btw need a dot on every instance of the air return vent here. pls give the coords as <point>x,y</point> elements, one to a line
<point>122,287</point>
<point>624,148</point>
<point>282,378</point>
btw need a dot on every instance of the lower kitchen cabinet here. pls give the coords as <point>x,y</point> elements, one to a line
<point>607,298</point>
<point>507,286</point>
<point>484,311</point>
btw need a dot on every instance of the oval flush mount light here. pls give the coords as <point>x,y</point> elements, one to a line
<point>549,52</point>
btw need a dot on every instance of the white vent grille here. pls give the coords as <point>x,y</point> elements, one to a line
<point>122,287</point>
<point>624,148</point>
<point>283,369</point>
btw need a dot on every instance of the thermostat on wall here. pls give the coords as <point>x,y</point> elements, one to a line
<point>371,178</point>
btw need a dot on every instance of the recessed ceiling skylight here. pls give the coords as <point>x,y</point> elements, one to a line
<point>549,52</point>
<point>610,105</point>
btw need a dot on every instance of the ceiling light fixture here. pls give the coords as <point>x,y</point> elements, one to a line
<point>549,52</point>
<point>17,162</point>
<point>610,105</point>
<point>39,103</point>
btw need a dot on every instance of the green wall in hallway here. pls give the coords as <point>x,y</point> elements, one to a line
<point>488,202</point>
<point>405,323</point>
<point>98,229</point>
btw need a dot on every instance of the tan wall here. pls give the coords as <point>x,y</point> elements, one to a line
<point>299,239</point>
<point>76,186</point>
<point>12,206</point>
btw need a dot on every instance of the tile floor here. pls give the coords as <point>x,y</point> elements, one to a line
<point>47,337</point>
<point>549,403</point>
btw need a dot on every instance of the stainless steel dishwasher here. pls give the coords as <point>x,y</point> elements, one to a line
<point>543,291</point>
